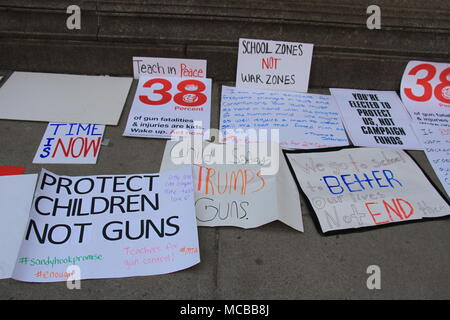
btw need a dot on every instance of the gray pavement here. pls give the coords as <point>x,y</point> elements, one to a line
<point>270,262</point>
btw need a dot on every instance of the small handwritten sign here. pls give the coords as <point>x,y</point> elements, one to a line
<point>436,143</point>
<point>376,119</point>
<point>237,194</point>
<point>354,188</point>
<point>169,67</point>
<point>273,65</point>
<point>70,143</point>
<point>305,120</point>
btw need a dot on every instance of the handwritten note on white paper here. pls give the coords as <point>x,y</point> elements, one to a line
<point>305,121</point>
<point>354,188</point>
<point>238,194</point>
<point>436,143</point>
<point>169,67</point>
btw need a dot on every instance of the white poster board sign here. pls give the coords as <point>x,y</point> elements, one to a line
<point>109,226</point>
<point>70,98</point>
<point>273,65</point>
<point>304,120</point>
<point>70,143</point>
<point>163,107</point>
<point>425,91</point>
<point>354,188</point>
<point>376,119</point>
<point>238,193</point>
<point>169,67</point>
<point>16,195</point>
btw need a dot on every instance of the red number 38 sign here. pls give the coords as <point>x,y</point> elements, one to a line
<point>427,82</point>
<point>168,106</point>
<point>191,92</point>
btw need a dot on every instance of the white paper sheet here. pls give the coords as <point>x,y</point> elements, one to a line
<point>436,143</point>
<point>109,226</point>
<point>305,120</point>
<point>354,188</point>
<point>169,67</point>
<point>376,119</point>
<point>63,98</point>
<point>273,65</point>
<point>163,107</point>
<point>70,143</point>
<point>238,194</point>
<point>16,195</point>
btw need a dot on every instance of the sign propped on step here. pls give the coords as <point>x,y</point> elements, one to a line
<point>425,91</point>
<point>233,186</point>
<point>273,65</point>
<point>70,143</point>
<point>376,119</point>
<point>304,120</point>
<point>169,67</point>
<point>165,107</point>
<point>109,226</point>
<point>354,188</point>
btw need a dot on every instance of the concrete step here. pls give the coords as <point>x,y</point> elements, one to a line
<point>34,36</point>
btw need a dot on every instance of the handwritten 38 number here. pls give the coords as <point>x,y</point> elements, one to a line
<point>441,90</point>
<point>190,93</point>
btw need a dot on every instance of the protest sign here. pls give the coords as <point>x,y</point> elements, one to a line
<point>109,226</point>
<point>436,143</point>
<point>305,120</point>
<point>425,91</point>
<point>169,67</point>
<point>63,98</point>
<point>70,143</point>
<point>376,119</point>
<point>169,106</point>
<point>237,193</point>
<point>273,65</point>
<point>11,170</point>
<point>16,195</point>
<point>354,188</point>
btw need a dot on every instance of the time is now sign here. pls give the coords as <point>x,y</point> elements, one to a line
<point>273,65</point>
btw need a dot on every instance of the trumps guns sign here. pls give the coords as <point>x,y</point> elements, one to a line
<point>354,188</point>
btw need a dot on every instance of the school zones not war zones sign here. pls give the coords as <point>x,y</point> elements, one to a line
<point>354,188</point>
<point>109,226</point>
<point>273,65</point>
